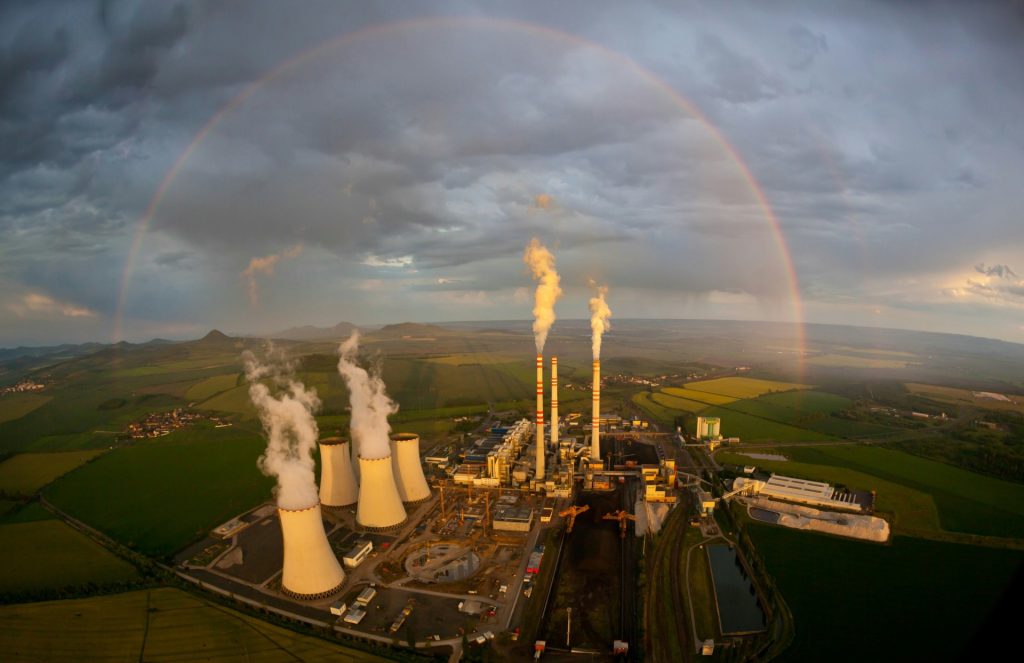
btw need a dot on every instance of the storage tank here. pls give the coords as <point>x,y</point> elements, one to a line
<point>408,470</point>
<point>380,506</point>
<point>338,487</point>
<point>311,571</point>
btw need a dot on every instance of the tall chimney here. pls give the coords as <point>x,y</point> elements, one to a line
<point>539,474</point>
<point>554,403</point>
<point>405,458</point>
<point>311,571</point>
<point>380,506</point>
<point>595,420</point>
<point>338,485</point>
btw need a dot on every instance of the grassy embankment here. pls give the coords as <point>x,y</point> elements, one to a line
<point>859,601</point>
<point>157,624</point>
<point>160,495</point>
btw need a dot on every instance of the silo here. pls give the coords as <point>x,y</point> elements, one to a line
<point>311,571</point>
<point>338,487</point>
<point>408,470</point>
<point>380,506</point>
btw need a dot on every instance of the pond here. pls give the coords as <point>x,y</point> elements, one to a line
<point>738,609</point>
<point>764,515</point>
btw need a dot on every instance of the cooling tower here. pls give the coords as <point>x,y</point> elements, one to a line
<point>338,485</point>
<point>539,474</point>
<point>554,402</point>
<point>595,420</point>
<point>405,460</point>
<point>311,571</point>
<point>380,506</point>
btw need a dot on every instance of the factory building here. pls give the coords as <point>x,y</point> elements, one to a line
<point>513,518</point>
<point>801,491</point>
<point>709,428</point>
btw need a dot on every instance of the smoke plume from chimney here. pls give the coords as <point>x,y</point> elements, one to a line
<point>542,266</point>
<point>265,265</point>
<point>370,404</point>
<point>287,417</point>
<point>599,314</point>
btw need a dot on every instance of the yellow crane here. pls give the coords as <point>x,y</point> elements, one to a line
<point>623,517</point>
<point>570,515</point>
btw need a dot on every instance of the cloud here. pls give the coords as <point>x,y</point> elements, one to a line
<point>265,265</point>
<point>38,305</point>
<point>543,201</point>
<point>396,262</point>
<point>1002,271</point>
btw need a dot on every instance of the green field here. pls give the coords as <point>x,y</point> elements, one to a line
<point>232,401</point>
<point>706,397</point>
<point>750,428</point>
<point>15,406</point>
<point>47,554</point>
<point>808,409</point>
<point>911,487</point>
<point>743,387</point>
<point>644,401</point>
<point>677,403</point>
<point>864,602</point>
<point>24,474</point>
<point>18,512</point>
<point>211,386</point>
<point>856,361</point>
<point>153,625</point>
<point>159,495</point>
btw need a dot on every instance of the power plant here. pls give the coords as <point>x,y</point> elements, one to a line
<point>338,487</point>
<point>380,504</point>
<point>408,470</point>
<point>311,571</point>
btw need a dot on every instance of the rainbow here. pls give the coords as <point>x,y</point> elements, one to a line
<point>480,23</point>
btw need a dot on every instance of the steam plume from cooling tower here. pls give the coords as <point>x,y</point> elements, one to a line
<point>370,404</point>
<point>599,314</point>
<point>287,417</point>
<point>542,266</point>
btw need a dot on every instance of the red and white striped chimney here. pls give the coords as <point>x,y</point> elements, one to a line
<point>539,475</point>
<point>595,420</point>
<point>554,403</point>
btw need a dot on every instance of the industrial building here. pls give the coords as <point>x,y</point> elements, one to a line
<point>513,518</point>
<point>311,571</point>
<point>801,491</point>
<point>709,428</point>
<point>358,554</point>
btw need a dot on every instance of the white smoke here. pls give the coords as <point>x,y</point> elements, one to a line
<point>542,266</point>
<point>265,265</point>
<point>287,417</point>
<point>371,432</point>
<point>599,314</point>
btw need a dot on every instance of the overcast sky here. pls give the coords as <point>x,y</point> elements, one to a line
<point>397,173</point>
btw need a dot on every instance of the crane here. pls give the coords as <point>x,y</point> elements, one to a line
<point>623,517</point>
<point>570,515</point>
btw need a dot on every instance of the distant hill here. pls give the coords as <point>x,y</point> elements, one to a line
<point>416,329</point>
<point>311,333</point>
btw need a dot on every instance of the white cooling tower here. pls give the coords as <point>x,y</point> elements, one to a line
<point>338,485</point>
<point>311,571</point>
<point>554,402</point>
<point>405,459</point>
<point>539,474</point>
<point>380,506</point>
<point>595,419</point>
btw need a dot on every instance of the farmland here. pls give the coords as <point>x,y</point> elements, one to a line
<point>15,406</point>
<point>156,624</point>
<point>750,428</point>
<point>26,473</point>
<point>736,388</point>
<point>135,494</point>
<point>966,397</point>
<point>46,554</point>
<point>882,590</point>
<point>211,386</point>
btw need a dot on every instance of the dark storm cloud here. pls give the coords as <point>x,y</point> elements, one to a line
<point>408,162</point>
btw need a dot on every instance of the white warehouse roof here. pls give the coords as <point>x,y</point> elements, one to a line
<point>797,488</point>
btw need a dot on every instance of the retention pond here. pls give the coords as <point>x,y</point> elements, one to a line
<point>738,609</point>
